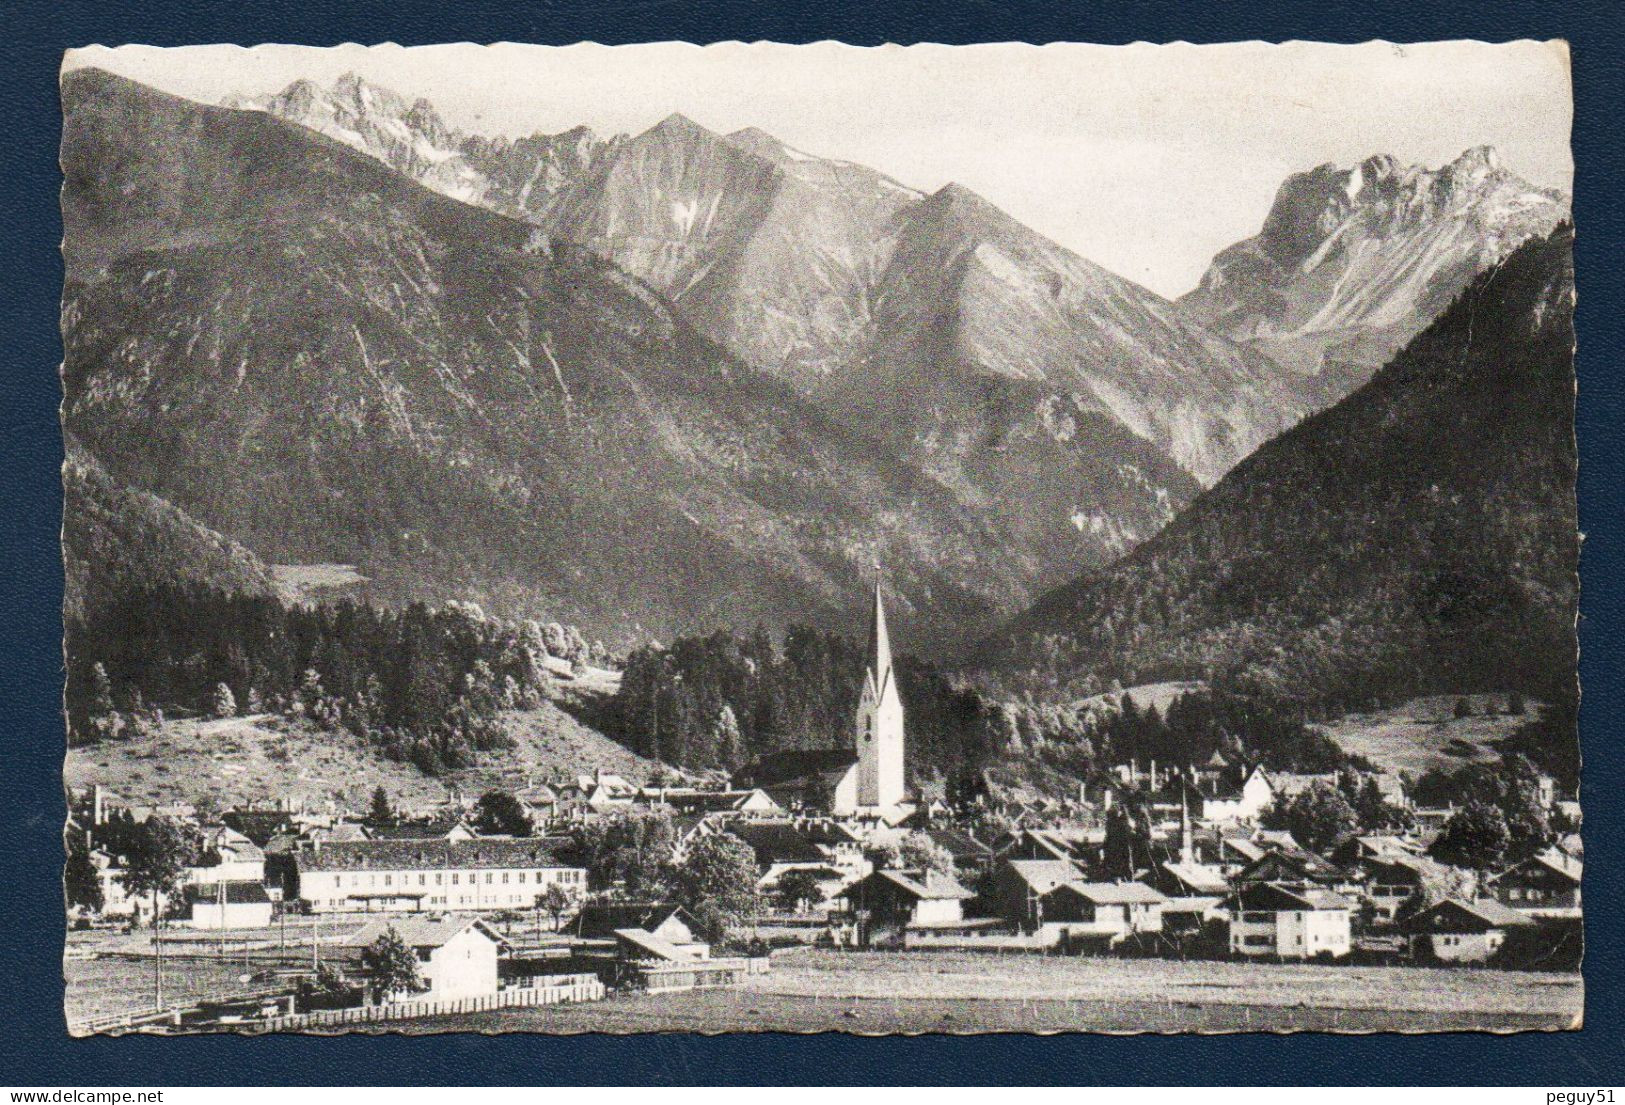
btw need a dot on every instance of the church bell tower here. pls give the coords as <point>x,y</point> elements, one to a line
<point>879,734</point>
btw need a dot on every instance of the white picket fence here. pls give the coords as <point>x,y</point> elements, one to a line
<point>578,988</point>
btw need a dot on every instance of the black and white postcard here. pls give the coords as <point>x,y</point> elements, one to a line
<point>939,539</point>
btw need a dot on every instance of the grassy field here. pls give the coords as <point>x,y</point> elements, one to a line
<point>107,972</point>
<point>1425,733</point>
<point>879,993</point>
<point>262,757</point>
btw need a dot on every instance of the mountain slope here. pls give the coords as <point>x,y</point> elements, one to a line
<point>115,537</point>
<point>971,295</point>
<point>792,262</point>
<point>1352,263</point>
<point>1418,536</point>
<point>329,363</point>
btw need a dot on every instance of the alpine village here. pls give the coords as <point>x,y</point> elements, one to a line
<point>674,581</point>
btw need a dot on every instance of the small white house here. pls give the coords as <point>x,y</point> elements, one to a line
<point>232,905</point>
<point>1458,931</point>
<point>1255,795</point>
<point>1269,919</point>
<point>457,953</point>
<point>116,901</point>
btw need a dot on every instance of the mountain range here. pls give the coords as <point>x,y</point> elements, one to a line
<point>652,384</point>
<point>1351,263</point>
<point>1419,536</point>
<point>821,271</point>
<point>299,348</point>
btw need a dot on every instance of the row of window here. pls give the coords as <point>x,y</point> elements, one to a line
<point>1492,939</point>
<point>1527,894</point>
<point>566,876</point>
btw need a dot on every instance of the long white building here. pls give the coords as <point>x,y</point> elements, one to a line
<point>431,875</point>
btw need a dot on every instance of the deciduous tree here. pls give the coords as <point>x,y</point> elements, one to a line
<point>1318,817</point>
<point>391,966</point>
<point>499,813</point>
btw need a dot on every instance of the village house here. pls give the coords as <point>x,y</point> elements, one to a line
<point>972,858</point>
<point>236,859</point>
<point>1270,919</point>
<point>1457,931</point>
<point>643,948</point>
<point>1367,846</point>
<point>259,825</point>
<point>1547,885</point>
<point>1179,878</point>
<point>1290,865</point>
<point>880,907</point>
<point>783,846</point>
<point>1189,916</point>
<point>751,802</point>
<point>1019,887</point>
<point>117,903</point>
<point>1233,852</point>
<point>600,792</point>
<point>541,801</point>
<point>447,825</point>
<point>1392,880</point>
<point>1112,910</point>
<point>229,905</point>
<point>430,875</point>
<point>818,780</point>
<point>457,954</point>
<point>663,921</point>
<point>1070,845</point>
<point>1245,802</point>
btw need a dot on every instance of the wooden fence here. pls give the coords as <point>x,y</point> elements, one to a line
<point>700,975</point>
<point>568,990</point>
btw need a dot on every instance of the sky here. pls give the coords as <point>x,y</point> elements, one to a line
<point>1146,159</point>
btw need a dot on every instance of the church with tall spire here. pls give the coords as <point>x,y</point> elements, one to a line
<point>862,776</point>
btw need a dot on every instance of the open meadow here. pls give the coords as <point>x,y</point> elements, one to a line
<point>1424,733</point>
<point>879,993</point>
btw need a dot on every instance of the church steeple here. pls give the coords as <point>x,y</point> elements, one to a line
<point>878,732</point>
<point>879,643</point>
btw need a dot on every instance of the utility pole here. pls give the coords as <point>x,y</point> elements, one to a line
<point>157,971</point>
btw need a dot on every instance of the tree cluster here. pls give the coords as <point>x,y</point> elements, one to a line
<point>1500,817</point>
<point>423,685</point>
<point>724,699</point>
<point>633,855</point>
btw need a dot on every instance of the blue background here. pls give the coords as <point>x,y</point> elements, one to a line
<point>34,1047</point>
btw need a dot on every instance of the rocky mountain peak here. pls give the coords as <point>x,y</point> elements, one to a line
<point>1352,262</point>
<point>680,126</point>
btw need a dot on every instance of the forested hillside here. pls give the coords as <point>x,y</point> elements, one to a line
<point>115,538</point>
<point>1419,536</point>
<point>725,699</point>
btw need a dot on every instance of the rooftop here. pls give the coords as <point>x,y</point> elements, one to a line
<point>424,931</point>
<point>435,852</point>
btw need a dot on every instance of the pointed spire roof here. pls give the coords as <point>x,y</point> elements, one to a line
<point>879,642</point>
